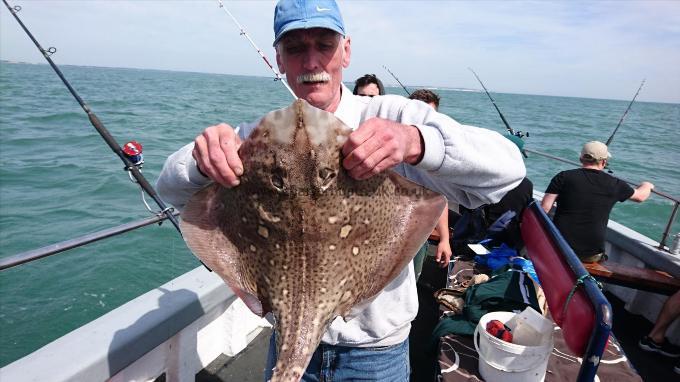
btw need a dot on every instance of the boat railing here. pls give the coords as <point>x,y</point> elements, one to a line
<point>39,253</point>
<point>675,201</point>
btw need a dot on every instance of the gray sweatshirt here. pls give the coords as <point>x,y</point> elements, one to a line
<point>468,165</point>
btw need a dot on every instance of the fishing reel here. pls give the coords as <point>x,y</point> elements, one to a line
<point>517,137</point>
<point>133,152</point>
<point>521,134</point>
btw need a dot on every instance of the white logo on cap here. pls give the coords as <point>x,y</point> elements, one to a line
<point>318,9</point>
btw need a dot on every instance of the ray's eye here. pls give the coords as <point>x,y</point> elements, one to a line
<point>326,175</point>
<point>277,181</point>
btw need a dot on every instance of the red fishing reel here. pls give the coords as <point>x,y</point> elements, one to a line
<point>133,151</point>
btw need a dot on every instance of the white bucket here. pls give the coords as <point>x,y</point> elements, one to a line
<point>508,362</point>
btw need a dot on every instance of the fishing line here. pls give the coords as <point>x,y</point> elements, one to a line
<point>395,77</point>
<point>245,34</point>
<point>133,168</point>
<point>611,137</point>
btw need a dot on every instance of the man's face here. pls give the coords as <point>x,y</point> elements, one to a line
<point>312,60</point>
<point>369,90</point>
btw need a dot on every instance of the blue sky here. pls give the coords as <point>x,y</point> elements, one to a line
<point>592,49</point>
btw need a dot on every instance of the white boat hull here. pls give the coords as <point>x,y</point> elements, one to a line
<point>176,329</point>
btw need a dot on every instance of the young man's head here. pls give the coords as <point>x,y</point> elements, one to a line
<point>429,97</point>
<point>594,153</point>
<point>368,85</point>
<point>312,49</point>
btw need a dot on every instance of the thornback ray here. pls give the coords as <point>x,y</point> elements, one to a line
<point>299,237</point>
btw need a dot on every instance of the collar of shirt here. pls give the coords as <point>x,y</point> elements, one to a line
<point>351,108</point>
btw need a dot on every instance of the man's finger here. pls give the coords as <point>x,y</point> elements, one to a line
<point>230,143</point>
<point>219,160</point>
<point>375,164</point>
<point>214,149</point>
<point>358,137</point>
<point>200,153</point>
<point>234,161</point>
<point>446,258</point>
<point>361,153</point>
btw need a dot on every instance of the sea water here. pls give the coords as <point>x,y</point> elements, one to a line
<point>59,180</point>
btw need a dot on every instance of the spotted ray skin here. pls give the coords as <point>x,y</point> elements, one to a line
<point>299,237</point>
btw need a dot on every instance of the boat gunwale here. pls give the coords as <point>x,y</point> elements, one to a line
<point>116,340</point>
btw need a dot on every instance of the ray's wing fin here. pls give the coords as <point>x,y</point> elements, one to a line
<point>418,210</point>
<point>202,232</point>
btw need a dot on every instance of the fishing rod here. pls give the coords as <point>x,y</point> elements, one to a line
<point>130,166</point>
<point>244,33</point>
<point>507,125</point>
<point>611,137</point>
<point>395,77</point>
<point>513,133</point>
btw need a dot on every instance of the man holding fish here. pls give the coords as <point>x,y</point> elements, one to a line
<point>468,165</point>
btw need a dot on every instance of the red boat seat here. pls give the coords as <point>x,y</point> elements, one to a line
<point>557,280</point>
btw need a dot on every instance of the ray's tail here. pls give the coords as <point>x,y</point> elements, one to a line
<point>295,345</point>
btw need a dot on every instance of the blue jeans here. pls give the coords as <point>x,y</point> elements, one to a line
<point>332,363</point>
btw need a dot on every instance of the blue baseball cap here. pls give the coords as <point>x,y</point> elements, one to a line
<point>302,14</point>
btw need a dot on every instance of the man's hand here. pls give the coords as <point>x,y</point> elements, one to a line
<point>379,144</point>
<point>642,192</point>
<point>548,201</point>
<point>216,154</point>
<point>444,253</point>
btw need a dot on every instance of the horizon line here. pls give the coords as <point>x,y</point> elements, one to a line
<point>431,87</point>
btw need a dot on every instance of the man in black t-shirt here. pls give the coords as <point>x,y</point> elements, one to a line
<point>585,197</point>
